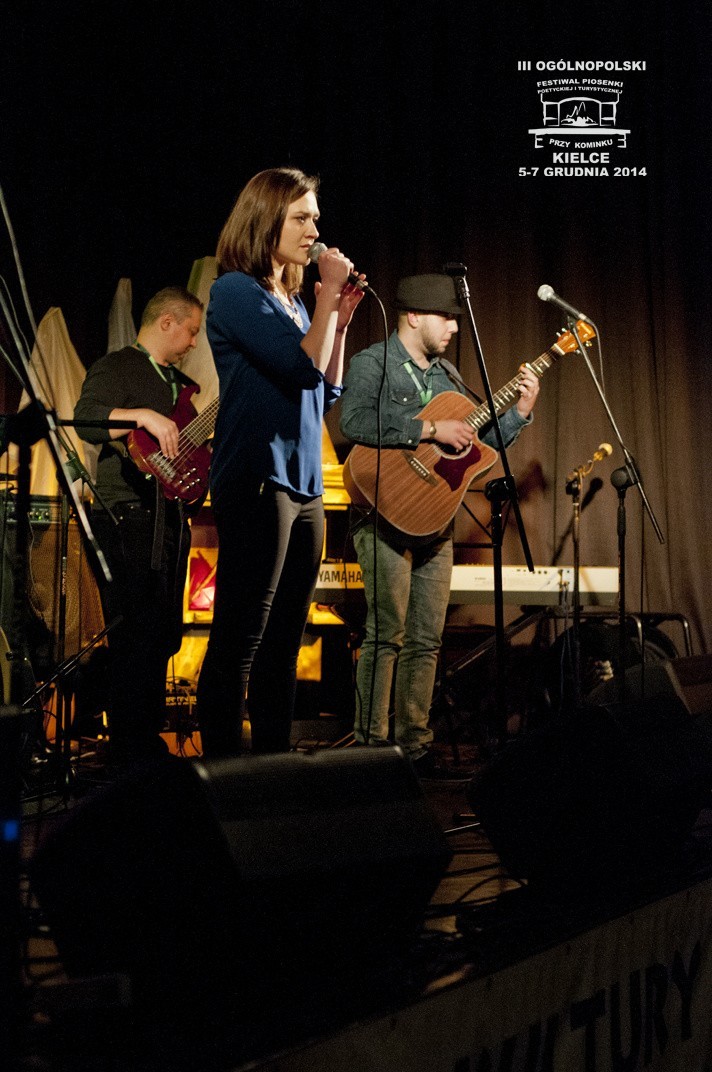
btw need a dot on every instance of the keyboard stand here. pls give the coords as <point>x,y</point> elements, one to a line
<point>531,616</point>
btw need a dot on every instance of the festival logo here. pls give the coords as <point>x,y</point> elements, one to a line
<point>575,109</point>
<point>582,119</point>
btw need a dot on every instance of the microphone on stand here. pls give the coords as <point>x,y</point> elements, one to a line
<point>547,294</point>
<point>75,468</point>
<point>604,451</point>
<point>315,252</point>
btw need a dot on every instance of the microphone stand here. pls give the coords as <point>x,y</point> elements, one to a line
<point>497,491</point>
<point>622,479</point>
<point>628,475</point>
<point>63,740</point>
<point>64,666</point>
<point>573,488</point>
<point>33,423</point>
<point>593,488</point>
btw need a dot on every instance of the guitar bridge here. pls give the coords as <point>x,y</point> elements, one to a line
<point>163,466</point>
<point>418,468</point>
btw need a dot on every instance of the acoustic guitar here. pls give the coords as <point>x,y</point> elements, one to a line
<point>419,491</point>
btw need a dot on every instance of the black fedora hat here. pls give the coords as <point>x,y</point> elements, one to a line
<point>428,294</point>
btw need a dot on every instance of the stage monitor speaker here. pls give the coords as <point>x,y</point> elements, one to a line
<point>692,678</point>
<point>262,877</point>
<point>601,801</point>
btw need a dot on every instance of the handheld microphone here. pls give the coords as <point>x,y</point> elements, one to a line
<point>315,252</point>
<point>547,293</point>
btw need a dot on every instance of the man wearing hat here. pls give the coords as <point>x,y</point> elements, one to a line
<point>406,580</point>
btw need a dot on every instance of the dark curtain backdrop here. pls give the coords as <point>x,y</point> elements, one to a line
<point>129,131</point>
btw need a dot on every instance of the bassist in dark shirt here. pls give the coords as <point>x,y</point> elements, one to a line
<point>145,537</point>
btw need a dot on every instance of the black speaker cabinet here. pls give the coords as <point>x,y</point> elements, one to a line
<point>261,877</point>
<point>83,613</point>
<point>692,678</point>
<point>600,800</point>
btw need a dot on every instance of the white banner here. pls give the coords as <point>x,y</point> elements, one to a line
<point>635,993</point>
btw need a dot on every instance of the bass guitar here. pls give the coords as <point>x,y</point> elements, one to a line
<point>419,491</point>
<point>185,476</point>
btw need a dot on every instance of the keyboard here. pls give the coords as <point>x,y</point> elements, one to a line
<point>547,586</point>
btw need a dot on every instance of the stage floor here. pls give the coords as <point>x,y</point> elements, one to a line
<point>500,977</point>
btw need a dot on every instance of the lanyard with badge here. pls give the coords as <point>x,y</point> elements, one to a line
<point>166,372</point>
<point>425,393</point>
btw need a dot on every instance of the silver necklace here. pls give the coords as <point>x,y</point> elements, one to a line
<point>289,308</point>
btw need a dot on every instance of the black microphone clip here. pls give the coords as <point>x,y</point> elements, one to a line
<point>454,269</point>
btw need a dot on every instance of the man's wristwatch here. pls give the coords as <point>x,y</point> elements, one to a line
<point>433,430</point>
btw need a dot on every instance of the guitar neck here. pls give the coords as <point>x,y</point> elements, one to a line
<point>202,426</point>
<point>509,394</point>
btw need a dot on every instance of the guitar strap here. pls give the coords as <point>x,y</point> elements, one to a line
<point>454,374</point>
<point>159,528</point>
<point>169,374</point>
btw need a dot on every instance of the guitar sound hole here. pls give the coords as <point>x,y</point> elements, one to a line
<point>451,452</point>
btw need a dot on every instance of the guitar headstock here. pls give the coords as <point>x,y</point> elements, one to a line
<point>567,343</point>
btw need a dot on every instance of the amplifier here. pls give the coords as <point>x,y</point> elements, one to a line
<point>43,509</point>
<point>84,617</point>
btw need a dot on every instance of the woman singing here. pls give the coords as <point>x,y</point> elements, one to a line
<point>278,374</point>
